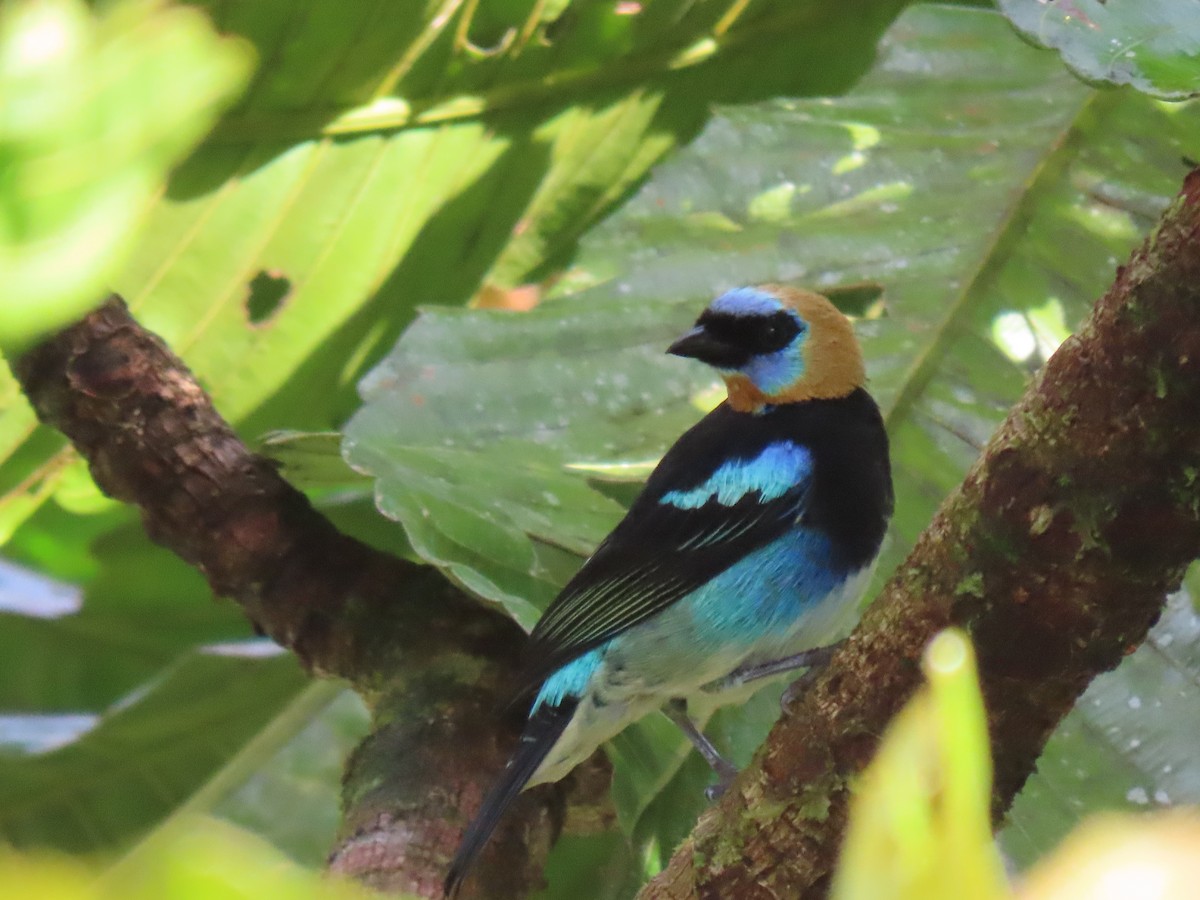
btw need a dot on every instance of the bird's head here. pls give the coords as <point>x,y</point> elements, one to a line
<point>776,344</point>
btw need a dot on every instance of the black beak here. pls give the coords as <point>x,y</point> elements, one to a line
<point>700,344</point>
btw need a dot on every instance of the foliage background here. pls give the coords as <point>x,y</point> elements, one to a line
<point>969,197</point>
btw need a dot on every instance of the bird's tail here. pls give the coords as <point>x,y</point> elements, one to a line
<point>541,732</point>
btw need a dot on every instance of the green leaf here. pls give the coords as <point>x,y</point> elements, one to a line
<point>313,460</point>
<point>87,660</point>
<point>377,161</point>
<point>285,785</point>
<point>96,109</point>
<point>201,858</point>
<point>597,866</point>
<point>485,468</point>
<point>145,754</point>
<point>953,175</point>
<point>54,671</point>
<point>1153,45</point>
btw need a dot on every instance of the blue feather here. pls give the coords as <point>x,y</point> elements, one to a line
<point>571,680</point>
<point>773,373</point>
<point>746,301</point>
<point>778,469</point>
<point>763,597</point>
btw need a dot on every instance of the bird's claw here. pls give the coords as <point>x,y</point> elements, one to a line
<point>791,696</point>
<point>717,790</point>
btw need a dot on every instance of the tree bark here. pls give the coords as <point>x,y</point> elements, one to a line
<point>1055,554</point>
<point>434,664</point>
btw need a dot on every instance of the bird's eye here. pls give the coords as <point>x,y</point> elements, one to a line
<point>772,334</point>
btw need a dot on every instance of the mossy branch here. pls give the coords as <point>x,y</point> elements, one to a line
<point>1055,554</point>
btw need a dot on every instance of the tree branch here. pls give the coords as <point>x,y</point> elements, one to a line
<point>1056,554</point>
<point>434,663</point>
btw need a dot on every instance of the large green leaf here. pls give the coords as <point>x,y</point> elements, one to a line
<point>382,160</point>
<point>379,159</point>
<point>1151,44</point>
<point>954,175</point>
<point>521,404</point>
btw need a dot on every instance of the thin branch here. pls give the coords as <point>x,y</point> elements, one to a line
<point>1056,554</point>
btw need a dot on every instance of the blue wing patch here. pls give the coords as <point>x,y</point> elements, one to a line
<point>778,469</point>
<point>570,681</point>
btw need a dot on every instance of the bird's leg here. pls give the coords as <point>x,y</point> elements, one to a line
<point>676,711</point>
<point>814,659</point>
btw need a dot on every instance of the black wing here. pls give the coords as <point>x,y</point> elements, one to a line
<point>657,555</point>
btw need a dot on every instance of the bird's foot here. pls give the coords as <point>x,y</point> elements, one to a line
<point>816,658</point>
<point>717,789</point>
<point>797,689</point>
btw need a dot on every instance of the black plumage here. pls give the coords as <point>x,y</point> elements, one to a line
<point>659,553</point>
<point>541,731</point>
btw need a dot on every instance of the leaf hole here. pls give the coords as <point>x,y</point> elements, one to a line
<point>268,290</point>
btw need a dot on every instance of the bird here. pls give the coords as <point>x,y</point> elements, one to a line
<point>743,556</point>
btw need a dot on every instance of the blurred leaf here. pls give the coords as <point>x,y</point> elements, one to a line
<point>147,753</point>
<point>1151,857</point>
<point>920,822</point>
<point>204,859</point>
<point>47,876</point>
<point>1153,45</point>
<point>596,866</point>
<point>95,111</point>
<point>201,859</point>
<point>85,661</point>
<point>57,671</point>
